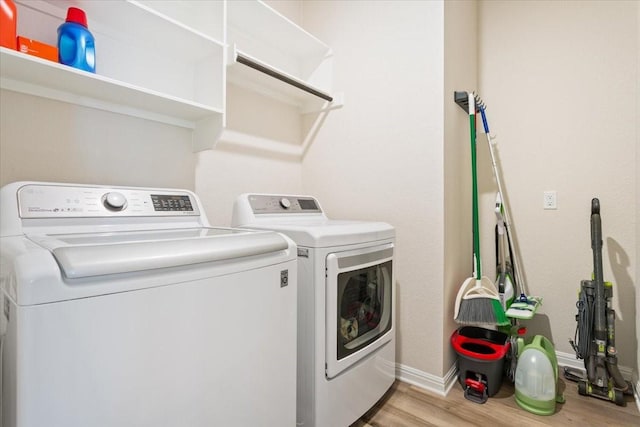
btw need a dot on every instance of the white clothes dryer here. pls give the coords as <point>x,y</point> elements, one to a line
<point>346,297</point>
<point>123,307</point>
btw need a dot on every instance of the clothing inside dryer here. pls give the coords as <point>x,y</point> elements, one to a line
<point>364,301</point>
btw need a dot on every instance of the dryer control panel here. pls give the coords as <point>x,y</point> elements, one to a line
<point>279,204</point>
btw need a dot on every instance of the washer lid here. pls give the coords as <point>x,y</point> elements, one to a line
<point>98,254</point>
<point>323,232</point>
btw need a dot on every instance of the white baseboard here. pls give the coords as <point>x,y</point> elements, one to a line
<point>442,385</point>
<point>426,381</point>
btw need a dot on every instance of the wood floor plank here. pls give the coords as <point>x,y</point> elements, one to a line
<point>410,406</point>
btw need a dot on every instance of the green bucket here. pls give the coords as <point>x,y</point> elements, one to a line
<point>537,377</point>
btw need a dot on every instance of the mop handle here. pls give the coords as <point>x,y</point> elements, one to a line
<point>507,221</point>
<point>501,232</point>
<point>485,124</point>
<point>474,184</point>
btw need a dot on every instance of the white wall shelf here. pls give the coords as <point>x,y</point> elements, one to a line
<point>35,76</point>
<point>148,65</point>
<point>292,65</point>
<point>170,61</point>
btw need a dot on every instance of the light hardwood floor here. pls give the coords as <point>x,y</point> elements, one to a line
<point>409,406</point>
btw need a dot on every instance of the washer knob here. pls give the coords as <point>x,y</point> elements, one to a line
<point>285,203</point>
<point>114,201</point>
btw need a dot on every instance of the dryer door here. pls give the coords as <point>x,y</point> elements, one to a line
<point>359,303</point>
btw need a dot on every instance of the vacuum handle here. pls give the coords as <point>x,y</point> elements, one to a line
<point>600,304</point>
<point>596,240</point>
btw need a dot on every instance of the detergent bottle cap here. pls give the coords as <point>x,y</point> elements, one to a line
<point>77,16</point>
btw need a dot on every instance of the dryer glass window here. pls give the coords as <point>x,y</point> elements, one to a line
<point>364,307</point>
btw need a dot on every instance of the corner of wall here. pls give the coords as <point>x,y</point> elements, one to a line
<point>461,73</point>
<point>636,372</point>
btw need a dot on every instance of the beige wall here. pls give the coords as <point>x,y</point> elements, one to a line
<point>291,9</point>
<point>637,192</point>
<point>221,175</point>
<point>229,170</point>
<point>48,140</point>
<point>380,157</point>
<point>560,81</point>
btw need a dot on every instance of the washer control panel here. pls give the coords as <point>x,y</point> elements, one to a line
<point>60,201</point>
<point>272,204</point>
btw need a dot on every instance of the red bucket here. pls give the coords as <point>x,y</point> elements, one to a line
<point>481,354</point>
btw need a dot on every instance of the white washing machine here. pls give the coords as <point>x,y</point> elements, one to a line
<point>346,330</point>
<point>123,307</point>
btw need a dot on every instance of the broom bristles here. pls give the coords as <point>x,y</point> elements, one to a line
<point>481,311</point>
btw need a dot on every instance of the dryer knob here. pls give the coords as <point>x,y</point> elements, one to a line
<point>114,201</point>
<point>285,203</point>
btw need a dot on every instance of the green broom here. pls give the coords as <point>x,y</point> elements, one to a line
<point>478,301</point>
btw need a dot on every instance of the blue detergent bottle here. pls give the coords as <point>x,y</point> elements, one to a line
<point>76,46</point>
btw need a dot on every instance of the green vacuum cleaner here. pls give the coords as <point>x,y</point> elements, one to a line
<point>595,332</point>
<point>536,379</point>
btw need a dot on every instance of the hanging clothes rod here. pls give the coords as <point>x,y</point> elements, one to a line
<point>249,62</point>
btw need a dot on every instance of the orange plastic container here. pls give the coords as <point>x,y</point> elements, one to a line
<point>36,48</point>
<point>8,24</point>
